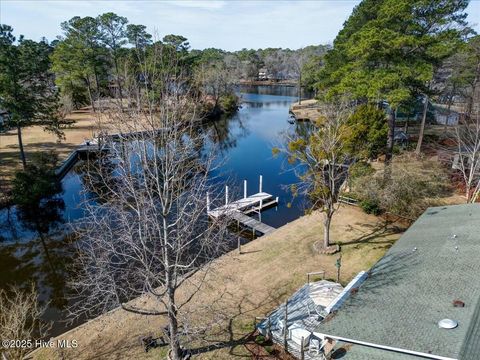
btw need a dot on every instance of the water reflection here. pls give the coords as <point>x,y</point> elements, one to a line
<point>35,243</point>
<point>41,254</point>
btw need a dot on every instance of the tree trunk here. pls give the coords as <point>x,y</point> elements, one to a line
<point>89,87</point>
<point>173,327</point>
<point>391,136</point>
<point>422,127</point>
<point>449,111</point>
<point>326,229</point>
<point>20,145</point>
<point>118,81</point>
<point>300,88</point>
<point>474,90</point>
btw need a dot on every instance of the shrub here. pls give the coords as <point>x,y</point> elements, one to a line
<point>359,169</point>
<point>260,339</point>
<point>229,103</point>
<point>412,186</point>
<point>37,181</point>
<point>370,206</point>
<point>366,132</point>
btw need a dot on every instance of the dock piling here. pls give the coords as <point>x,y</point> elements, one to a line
<point>260,186</point>
<point>226,195</point>
<point>244,189</point>
<point>208,202</point>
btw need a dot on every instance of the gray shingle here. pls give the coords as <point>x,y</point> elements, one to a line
<point>409,291</point>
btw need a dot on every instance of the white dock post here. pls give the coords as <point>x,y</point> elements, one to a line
<point>276,203</point>
<point>244,189</point>
<point>260,185</point>
<point>208,202</point>
<point>260,211</point>
<point>226,195</point>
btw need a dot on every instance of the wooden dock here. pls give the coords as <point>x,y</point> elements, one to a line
<point>81,152</point>
<point>238,210</point>
<point>245,204</point>
<point>251,223</point>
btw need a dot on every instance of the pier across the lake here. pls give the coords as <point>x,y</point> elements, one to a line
<point>237,210</point>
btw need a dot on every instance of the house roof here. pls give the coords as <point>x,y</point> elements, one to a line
<point>413,287</point>
<point>346,351</point>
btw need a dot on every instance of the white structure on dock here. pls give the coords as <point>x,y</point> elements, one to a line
<point>237,210</point>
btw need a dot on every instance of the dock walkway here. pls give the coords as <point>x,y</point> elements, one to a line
<point>250,222</point>
<point>238,210</point>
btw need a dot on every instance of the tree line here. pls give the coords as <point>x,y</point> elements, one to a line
<point>389,55</point>
<point>106,57</point>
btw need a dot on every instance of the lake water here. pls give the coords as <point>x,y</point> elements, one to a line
<point>34,247</point>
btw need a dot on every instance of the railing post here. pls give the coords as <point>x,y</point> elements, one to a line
<point>260,186</point>
<point>302,350</point>
<point>269,329</point>
<point>226,195</point>
<point>244,189</point>
<point>260,211</point>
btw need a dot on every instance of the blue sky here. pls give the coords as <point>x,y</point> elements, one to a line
<point>230,25</point>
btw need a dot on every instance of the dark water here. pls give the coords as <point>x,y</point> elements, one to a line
<point>36,247</point>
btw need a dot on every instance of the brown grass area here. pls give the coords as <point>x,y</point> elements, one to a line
<point>35,139</point>
<point>241,287</point>
<point>306,111</point>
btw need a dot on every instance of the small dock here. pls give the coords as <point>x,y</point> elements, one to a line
<point>238,210</point>
<point>81,152</point>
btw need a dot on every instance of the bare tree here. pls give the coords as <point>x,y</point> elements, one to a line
<point>467,156</point>
<point>215,80</point>
<point>321,161</point>
<point>150,234</point>
<point>19,320</point>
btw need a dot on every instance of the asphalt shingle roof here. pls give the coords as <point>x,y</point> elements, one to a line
<point>414,285</point>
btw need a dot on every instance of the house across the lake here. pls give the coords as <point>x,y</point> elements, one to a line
<point>420,301</point>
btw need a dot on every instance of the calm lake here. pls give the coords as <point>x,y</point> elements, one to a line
<point>36,247</point>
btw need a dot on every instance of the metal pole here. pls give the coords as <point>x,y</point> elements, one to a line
<point>244,189</point>
<point>226,195</point>
<point>260,185</point>
<point>285,328</point>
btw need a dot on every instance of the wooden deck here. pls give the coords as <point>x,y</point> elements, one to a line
<point>251,222</point>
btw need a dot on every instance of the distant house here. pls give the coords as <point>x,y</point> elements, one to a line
<point>262,74</point>
<point>420,301</point>
<point>445,117</point>
<point>400,137</point>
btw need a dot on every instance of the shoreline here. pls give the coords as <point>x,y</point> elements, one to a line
<point>239,287</point>
<point>289,83</point>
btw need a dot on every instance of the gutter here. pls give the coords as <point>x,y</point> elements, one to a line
<point>389,348</point>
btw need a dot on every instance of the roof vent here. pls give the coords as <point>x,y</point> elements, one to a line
<point>447,324</point>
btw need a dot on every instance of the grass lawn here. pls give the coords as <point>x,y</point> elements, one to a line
<point>240,287</point>
<point>35,139</point>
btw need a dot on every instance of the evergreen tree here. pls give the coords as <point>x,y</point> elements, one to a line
<point>389,50</point>
<point>27,90</point>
